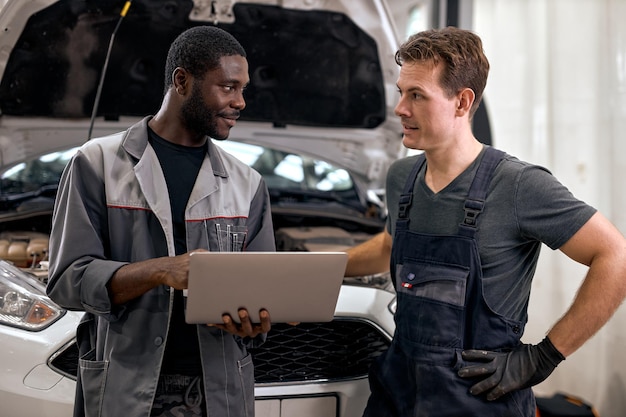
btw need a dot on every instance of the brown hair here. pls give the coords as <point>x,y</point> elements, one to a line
<point>461,53</point>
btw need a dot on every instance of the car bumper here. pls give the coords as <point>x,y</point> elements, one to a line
<point>30,387</point>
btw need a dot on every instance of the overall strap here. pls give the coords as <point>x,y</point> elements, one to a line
<point>406,198</point>
<point>475,201</point>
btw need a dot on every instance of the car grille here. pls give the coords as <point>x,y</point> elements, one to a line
<point>333,351</point>
<point>340,349</point>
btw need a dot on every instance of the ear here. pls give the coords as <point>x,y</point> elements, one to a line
<point>180,80</point>
<point>465,99</point>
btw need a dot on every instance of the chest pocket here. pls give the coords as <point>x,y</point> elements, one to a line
<point>443,283</point>
<point>431,300</point>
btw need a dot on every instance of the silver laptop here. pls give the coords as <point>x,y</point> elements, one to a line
<point>291,286</point>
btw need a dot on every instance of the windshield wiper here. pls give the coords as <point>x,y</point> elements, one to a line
<point>46,190</point>
<point>311,196</point>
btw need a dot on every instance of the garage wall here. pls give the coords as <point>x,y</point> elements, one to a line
<point>557,95</point>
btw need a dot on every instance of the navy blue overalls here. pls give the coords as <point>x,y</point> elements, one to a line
<point>440,312</point>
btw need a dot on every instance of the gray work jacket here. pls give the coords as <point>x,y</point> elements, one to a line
<point>113,208</point>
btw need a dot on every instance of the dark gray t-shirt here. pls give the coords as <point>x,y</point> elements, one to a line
<point>525,206</point>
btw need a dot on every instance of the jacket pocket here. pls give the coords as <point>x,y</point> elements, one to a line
<point>93,379</point>
<point>246,379</point>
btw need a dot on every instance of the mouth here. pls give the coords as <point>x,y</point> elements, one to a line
<point>230,120</point>
<point>408,127</point>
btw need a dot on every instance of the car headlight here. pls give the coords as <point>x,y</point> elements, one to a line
<point>23,303</point>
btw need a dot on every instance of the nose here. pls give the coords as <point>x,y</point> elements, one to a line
<point>401,109</point>
<point>238,102</point>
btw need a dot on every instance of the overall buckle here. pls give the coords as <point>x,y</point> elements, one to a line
<point>472,209</point>
<point>403,205</point>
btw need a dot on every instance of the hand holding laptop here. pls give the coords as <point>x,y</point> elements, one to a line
<point>245,327</point>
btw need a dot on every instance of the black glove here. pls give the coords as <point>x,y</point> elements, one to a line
<point>522,367</point>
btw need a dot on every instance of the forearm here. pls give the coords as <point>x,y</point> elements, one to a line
<point>370,257</point>
<point>602,247</point>
<point>137,278</point>
<point>599,297</point>
<point>133,280</point>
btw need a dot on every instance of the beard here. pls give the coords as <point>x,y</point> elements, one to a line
<point>198,117</point>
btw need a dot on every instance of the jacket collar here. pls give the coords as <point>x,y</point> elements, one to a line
<point>136,140</point>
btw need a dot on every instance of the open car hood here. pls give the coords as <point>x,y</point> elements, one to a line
<point>322,73</point>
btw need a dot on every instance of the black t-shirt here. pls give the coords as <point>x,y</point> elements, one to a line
<point>180,165</point>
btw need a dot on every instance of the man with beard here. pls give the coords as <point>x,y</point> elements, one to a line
<point>130,209</point>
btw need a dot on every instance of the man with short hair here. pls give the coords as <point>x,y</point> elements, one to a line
<point>466,223</point>
<point>130,209</point>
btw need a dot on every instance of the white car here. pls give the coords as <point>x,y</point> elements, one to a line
<point>318,125</point>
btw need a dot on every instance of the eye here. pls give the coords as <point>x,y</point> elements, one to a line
<point>412,94</point>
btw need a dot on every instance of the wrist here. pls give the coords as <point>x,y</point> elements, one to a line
<point>550,352</point>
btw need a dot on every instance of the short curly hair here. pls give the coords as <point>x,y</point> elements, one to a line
<point>199,50</point>
<point>461,53</point>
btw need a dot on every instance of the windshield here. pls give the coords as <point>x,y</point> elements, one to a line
<point>288,170</point>
<point>35,174</point>
<point>281,170</point>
